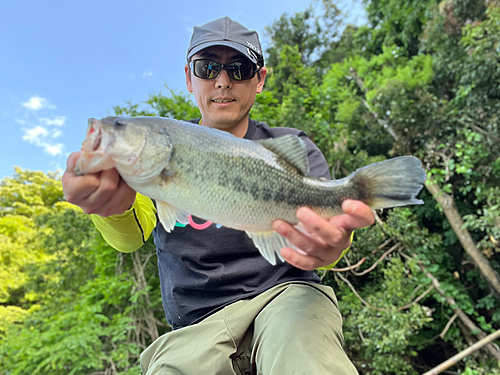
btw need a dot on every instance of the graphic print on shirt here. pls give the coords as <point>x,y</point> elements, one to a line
<point>197,226</point>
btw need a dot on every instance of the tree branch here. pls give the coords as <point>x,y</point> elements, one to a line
<point>382,308</point>
<point>464,353</point>
<point>416,299</point>
<point>360,83</point>
<point>456,222</point>
<point>377,262</point>
<point>448,325</point>
<point>471,326</point>
<point>451,301</point>
<point>345,269</point>
<point>359,297</point>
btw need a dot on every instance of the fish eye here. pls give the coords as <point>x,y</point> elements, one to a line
<point>119,124</point>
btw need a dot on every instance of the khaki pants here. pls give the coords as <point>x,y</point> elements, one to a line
<point>293,328</point>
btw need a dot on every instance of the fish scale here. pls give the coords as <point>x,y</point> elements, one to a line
<point>194,170</point>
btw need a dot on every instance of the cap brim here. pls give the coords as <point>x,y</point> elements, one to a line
<point>252,56</point>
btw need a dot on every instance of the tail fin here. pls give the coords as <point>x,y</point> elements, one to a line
<point>391,183</point>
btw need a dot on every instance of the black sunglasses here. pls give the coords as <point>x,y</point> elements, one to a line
<point>210,69</point>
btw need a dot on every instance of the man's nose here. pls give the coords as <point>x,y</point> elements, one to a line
<point>223,80</point>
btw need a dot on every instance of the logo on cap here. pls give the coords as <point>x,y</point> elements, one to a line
<point>253,47</point>
<point>252,54</point>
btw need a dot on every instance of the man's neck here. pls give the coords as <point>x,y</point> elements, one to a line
<point>239,130</point>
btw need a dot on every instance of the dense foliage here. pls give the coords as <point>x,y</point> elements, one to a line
<point>420,78</point>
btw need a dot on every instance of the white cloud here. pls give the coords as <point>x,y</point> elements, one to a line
<point>42,137</point>
<point>147,74</point>
<point>22,122</point>
<point>42,131</point>
<point>56,121</point>
<point>54,150</point>
<point>56,134</point>
<point>36,103</point>
<point>35,135</point>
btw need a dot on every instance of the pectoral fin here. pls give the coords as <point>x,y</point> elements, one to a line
<point>169,215</point>
<point>269,244</point>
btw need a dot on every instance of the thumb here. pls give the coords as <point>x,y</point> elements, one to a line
<point>71,162</point>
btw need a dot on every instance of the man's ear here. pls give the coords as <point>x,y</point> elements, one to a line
<point>262,79</point>
<point>189,84</point>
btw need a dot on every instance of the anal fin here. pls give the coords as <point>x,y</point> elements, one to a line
<point>169,215</point>
<point>269,244</point>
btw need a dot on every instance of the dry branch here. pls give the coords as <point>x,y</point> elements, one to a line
<point>464,353</point>
<point>455,219</point>
<point>448,325</point>
<point>345,269</point>
<point>377,262</point>
<point>141,285</point>
<point>361,85</point>
<point>406,306</point>
<point>464,318</point>
<point>471,326</point>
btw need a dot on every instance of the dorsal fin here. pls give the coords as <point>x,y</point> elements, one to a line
<point>291,148</point>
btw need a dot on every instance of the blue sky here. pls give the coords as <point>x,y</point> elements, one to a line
<point>62,62</point>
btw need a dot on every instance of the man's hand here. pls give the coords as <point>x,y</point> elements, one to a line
<point>326,239</point>
<point>103,193</point>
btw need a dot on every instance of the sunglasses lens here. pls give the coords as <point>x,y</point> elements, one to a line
<point>240,70</point>
<point>209,69</point>
<point>206,69</point>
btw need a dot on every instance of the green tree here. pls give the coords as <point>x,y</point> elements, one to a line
<point>69,303</point>
<point>421,78</point>
<point>74,305</point>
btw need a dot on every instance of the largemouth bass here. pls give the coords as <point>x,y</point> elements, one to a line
<point>238,183</point>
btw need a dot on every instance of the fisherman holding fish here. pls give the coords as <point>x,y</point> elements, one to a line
<point>241,217</point>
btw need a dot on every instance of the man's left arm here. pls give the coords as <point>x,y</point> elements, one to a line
<point>326,239</point>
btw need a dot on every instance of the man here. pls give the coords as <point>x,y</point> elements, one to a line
<point>231,311</point>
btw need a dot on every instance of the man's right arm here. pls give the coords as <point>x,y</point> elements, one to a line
<point>125,218</point>
<point>128,231</point>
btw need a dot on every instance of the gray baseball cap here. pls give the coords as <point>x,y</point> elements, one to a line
<point>226,32</point>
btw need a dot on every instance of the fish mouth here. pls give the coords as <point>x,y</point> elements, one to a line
<point>93,138</point>
<point>94,157</point>
<point>97,141</point>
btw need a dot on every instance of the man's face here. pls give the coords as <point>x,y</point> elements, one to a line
<point>224,102</point>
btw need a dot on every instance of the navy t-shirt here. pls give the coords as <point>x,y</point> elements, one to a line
<point>206,267</point>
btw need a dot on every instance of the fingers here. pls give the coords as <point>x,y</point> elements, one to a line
<point>301,240</point>
<point>112,199</point>
<point>71,162</point>
<point>332,235</point>
<point>96,198</point>
<point>313,251</point>
<point>356,215</point>
<point>305,262</point>
<point>77,188</point>
<point>103,193</point>
<point>324,240</point>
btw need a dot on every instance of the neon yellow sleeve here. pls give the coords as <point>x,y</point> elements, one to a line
<point>129,231</point>
<point>330,266</point>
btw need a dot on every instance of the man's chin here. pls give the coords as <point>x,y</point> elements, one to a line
<point>225,122</point>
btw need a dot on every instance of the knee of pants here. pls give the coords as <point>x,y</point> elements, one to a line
<point>303,340</point>
<point>300,317</point>
<point>296,329</point>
